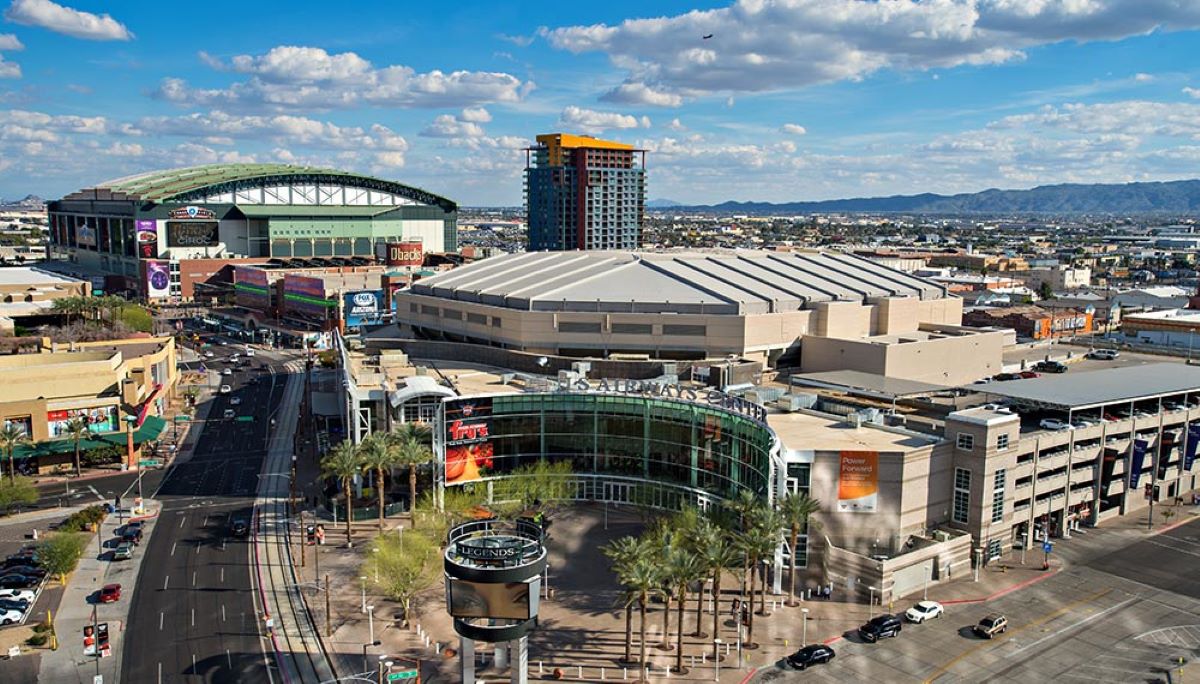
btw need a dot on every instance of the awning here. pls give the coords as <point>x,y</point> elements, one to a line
<point>419,385</point>
<point>149,431</point>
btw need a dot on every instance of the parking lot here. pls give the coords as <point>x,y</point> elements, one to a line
<point>15,535</point>
<point>1113,615</point>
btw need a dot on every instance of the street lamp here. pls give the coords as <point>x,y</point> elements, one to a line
<point>804,631</point>
<point>365,647</point>
<point>928,572</point>
<point>871,603</point>
<point>717,658</point>
<point>371,622</point>
<point>363,579</point>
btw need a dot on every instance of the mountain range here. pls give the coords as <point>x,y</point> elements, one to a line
<point>1176,197</point>
<point>28,202</point>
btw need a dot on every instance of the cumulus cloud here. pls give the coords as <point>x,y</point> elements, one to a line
<point>475,115</point>
<point>764,45</point>
<point>592,121</point>
<point>9,69</point>
<point>676,125</point>
<point>793,129</point>
<point>1193,93</point>
<point>65,20</point>
<point>446,126</point>
<point>221,128</point>
<point>641,94</point>
<point>287,77</point>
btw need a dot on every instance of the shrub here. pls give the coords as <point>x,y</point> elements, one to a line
<point>406,565</point>
<point>38,639</point>
<point>60,553</point>
<point>16,493</point>
<point>81,521</point>
<point>137,318</point>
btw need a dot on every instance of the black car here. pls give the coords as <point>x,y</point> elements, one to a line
<point>16,562</point>
<point>880,627</point>
<point>1051,367</point>
<point>239,528</point>
<point>134,535</point>
<point>14,604</point>
<point>810,655</point>
<point>31,570</point>
<point>15,581</point>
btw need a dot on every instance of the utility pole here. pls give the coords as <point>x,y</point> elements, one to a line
<point>328,623</point>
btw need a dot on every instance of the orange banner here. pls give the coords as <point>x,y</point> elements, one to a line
<point>858,481</point>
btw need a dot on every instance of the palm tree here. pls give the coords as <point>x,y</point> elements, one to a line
<point>796,511</point>
<point>77,430</point>
<point>412,451</point>
<point>682,567</point>
<point>743,506</point>
<point>644,579</point>
<point>716,552</point>
<point>343,462</point>
<point>10,438</point>
<point>758,542</point>
<point>378,454</point>
<point>623,553</point>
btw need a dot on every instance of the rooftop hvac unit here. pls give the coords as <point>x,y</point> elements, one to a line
<point>941,535</point>
<point>769,394</point>
<point>670,368</point>
<point>422,370</point>
<point>795,402</point>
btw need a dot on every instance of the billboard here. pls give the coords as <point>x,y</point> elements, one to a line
<point>192,234</point>
<point>192,213</point>
<point>306,296</point>
<point>467,439</point>
<point>147,239</point>
<point>99,419</point>
<point>500,600</point>
<point>1139,455</point>
<point>158,279</point>
<point>408,253</point>
<point>365,307</point>
<point>858,481</point>
<point>251,288</point>
<point>85,235</point>
<point>1189,452</point>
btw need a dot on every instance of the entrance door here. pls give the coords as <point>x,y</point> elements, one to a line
<point>618,492</point>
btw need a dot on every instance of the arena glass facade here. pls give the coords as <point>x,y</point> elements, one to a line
<point>624,448</point>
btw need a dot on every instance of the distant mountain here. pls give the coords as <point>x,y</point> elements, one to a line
<point>662,204</point>
<point>29,202</point>
<point>1176,197</point>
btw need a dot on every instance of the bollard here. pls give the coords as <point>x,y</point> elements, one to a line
<point>624,673</point>
<point>601,674</point>
<point>539,667</point>
<point>703,658</point>
<point>436,647</point>
<point>667,672</point>
<point>693,662</point>
<point>581,672</point>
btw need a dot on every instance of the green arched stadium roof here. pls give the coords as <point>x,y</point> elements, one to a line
<point>195,182</point>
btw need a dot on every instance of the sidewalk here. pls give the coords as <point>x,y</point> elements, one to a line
<point>69,664</point>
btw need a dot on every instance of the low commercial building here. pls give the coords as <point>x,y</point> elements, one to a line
<point>1058,277</point>
<point>120,388</point>
<point>1033,322</point>
<point>1167,327</point>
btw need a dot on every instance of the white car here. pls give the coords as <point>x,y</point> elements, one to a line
<point>998,408</point>
<point>226,389</point>
<point>235,401</point>
<point>229,414</point>
<point>209,354</point>
<point>925,610</point>
<point>17,594</point>
<point>250,353</point>
<point>11,617</point>
<point>227,371</point>
<point>1054,424</point>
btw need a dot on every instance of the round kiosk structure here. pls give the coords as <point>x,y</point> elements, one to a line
<point>494,574</point>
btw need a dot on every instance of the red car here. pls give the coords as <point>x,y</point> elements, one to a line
<point>110,593</point>
<point>1026,375</point>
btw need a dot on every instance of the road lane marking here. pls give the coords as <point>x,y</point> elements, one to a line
<point>222,612</point>
<point>229,659</point>
<point>173,548</point>
<point>1078,623</point>
<point>182,519</point>
<point>193,617</point>
<point>160,673</point>
<point>193,663</point>
<point>160,621</point>
<point>193,578</point>
<point>222,574</point>
<point>166,580</point>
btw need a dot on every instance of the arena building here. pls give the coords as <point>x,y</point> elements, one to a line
<point>814,310</point>
<point>149,234</point>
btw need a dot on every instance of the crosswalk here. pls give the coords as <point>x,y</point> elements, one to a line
<point>1145,657</point>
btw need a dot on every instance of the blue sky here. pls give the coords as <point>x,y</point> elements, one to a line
<point>789,99</point>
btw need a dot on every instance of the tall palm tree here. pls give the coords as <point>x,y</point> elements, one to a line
<point>77,430</point>
<point>343,462</point>
<point>759,542</point>
<point>10,438</point>
<point>622,554</point>
<point>743,506</point>
<point>682,567</point>
<point>413,452</point>
<point>717,552</point>
<point>796,511</point>
<point>378,454</point>
<point>644,579</point>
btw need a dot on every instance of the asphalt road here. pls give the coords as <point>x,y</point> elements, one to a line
<point>192,616</point>
<point>1122,611</point>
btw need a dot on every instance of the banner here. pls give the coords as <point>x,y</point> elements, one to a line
<point>468,431</point>
<point>85,235</point>
<point>1135,468</point>
<point>365,307</point>
<point>306,295</point>
<point>251,288</point>
<point>147,239</point>
<point>158,279</point>
<point>405,253</point>
<point>858,481</point>
<point>1193,439</point>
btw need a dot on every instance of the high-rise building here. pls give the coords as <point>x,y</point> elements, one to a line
<point>584,193</point>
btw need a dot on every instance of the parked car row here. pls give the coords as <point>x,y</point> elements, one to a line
<point>20,575</point>
<point>878,627</point>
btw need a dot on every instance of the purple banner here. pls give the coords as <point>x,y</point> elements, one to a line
<point>1193,439</point>
<point>1135,468</point>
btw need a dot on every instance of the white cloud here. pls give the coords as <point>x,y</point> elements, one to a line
<point>1193,93</point>
<point>590,120</point>
<point>475,115</point>
<point>641,94</point>
<point>676,125</point>
<point>65,20</point>
<point>9,69</point>
<point>446,126</point>
<point>222,128</point>
<point>519,41</point>
<point>10,42</point>
<point>793,129</point>
<point>288,77</point>
<point>764,45</point>
<point>1143,78</point>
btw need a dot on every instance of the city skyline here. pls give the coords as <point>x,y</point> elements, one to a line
<point>808,100</point>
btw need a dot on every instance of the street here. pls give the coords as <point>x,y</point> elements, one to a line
<point>193,616</point>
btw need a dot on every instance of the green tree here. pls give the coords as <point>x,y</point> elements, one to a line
<point>137,318</point>
<point>623,553</point>
<point>378,454</point>
<point>11,437</point>
<point>533,484</point>
<point>343,462</point>
<point>77,430</point>
<point>406,566</point>
<point>796,511</point>
<point>411,442</point>
<point>717,552</point>
<point>644,578</point>
<point>759,541</point>
<point>683,567</point>
<point>59,553</point>
<point>18,492</point>
<point>1045,291</point>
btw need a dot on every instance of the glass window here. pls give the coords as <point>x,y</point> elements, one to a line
<point>962,495</point>
<point>1002,441</point>
<point>966,441</point>
<point>999,483</point>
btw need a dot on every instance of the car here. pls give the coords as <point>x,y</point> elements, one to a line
<point>235,401</point>
<point>1103,354</point>
<point>31,570</point>
<point>879,627</point>
<point>1054,424</point>
<point>124,551</point>
<point>1029,375</point>
<point>1173,406</point>
<point>17,594</point>
<point>1051,367</point>
<point>15,581</point>
<point>10,617</point>
<point>1006,376</point>
<point>17,561</point>
<point>135,525</point>
<point>998,408</point>
<point>110,593</point>
<point>132,536</point>
<point>1110,418</point>
<point>208,354</point>
<point>229,414</point>
<point>226,389</point>
<point>13,604</point>
<point>813,654</point>
<point>227,371</point>
<point>991,625</point>
<point>250,353</point>
<point>239,527</point>
<point>924,610</point>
